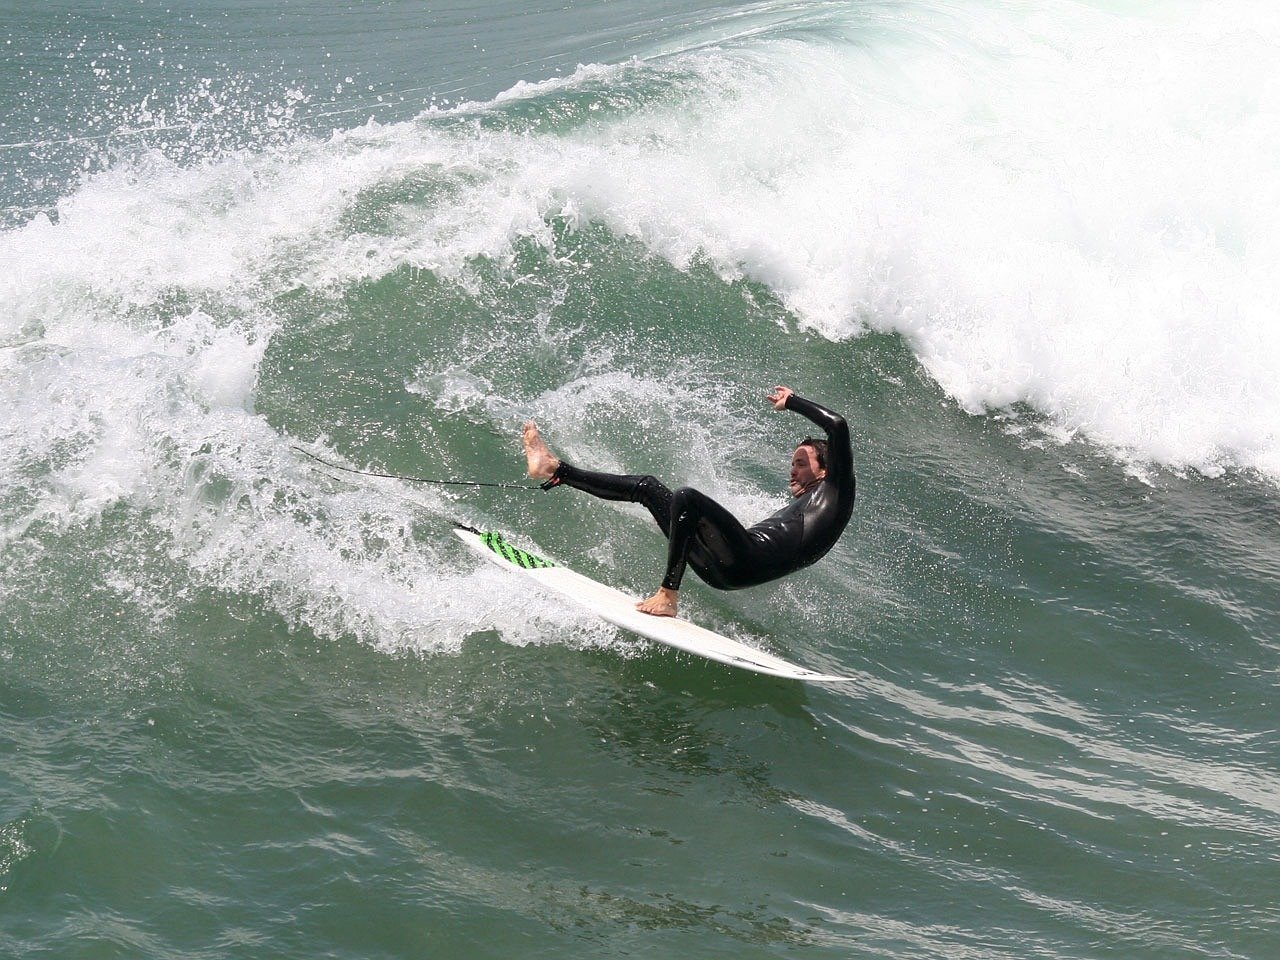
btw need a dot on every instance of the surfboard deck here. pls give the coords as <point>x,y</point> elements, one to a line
<point>619,609</point>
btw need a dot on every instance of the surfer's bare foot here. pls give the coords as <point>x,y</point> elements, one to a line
<point>542,462</point>
<point>661,604</point>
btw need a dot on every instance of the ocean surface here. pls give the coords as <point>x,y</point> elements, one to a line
<point>251,707</point>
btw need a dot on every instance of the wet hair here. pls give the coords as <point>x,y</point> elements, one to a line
<point>819,449</point>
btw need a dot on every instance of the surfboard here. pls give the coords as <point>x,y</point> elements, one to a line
<point>619,609</point>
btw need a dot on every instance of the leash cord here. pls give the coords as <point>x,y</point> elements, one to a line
<point>396,476</point>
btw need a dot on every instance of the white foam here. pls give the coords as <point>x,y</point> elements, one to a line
<point>113,402</point>
<point>1072,210</point>
<point>1076,224</point>
<point>1068,210</point>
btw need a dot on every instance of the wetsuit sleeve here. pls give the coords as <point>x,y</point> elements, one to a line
<point>839,448</point>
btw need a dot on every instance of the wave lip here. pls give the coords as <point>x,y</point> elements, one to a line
<point>1065,212</point>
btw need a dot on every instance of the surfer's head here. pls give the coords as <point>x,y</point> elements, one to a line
<point>808,465</point>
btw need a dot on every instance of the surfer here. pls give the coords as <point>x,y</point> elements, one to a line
<point>704,535</point>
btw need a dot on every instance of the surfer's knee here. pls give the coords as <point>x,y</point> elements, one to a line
<point>654,494</point>
<point>646,486</point>
<point>684,502</point>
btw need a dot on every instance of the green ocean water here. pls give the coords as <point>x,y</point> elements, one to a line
<point>251,708</point>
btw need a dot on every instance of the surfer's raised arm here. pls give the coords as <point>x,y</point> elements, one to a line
<point>836,455</point>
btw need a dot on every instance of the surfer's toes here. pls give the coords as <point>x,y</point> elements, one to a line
<point>529,437</point>
<point>657,606</point>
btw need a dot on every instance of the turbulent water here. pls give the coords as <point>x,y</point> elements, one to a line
<point>255,707</point>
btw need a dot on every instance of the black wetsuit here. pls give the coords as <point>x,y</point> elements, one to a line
<point>706,536</point>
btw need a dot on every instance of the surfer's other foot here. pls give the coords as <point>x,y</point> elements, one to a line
<point>542,462</point>
<point>661,604</point>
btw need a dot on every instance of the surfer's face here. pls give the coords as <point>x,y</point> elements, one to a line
<point>805,471</point>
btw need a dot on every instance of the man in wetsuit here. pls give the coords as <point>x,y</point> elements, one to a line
<point>704,535</point>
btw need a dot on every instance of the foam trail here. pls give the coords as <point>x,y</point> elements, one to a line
<point>119,394</point>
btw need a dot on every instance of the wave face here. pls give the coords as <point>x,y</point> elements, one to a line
<point>1026,248</point>
<point>1064,211</point>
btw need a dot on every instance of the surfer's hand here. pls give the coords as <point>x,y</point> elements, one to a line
<point>780,396</point>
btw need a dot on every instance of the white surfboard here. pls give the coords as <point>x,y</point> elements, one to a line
<point>620,609</point>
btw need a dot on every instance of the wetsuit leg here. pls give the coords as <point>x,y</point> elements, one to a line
<point>645,490</point>
<point>700,532</point>
<point>711,539</point>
